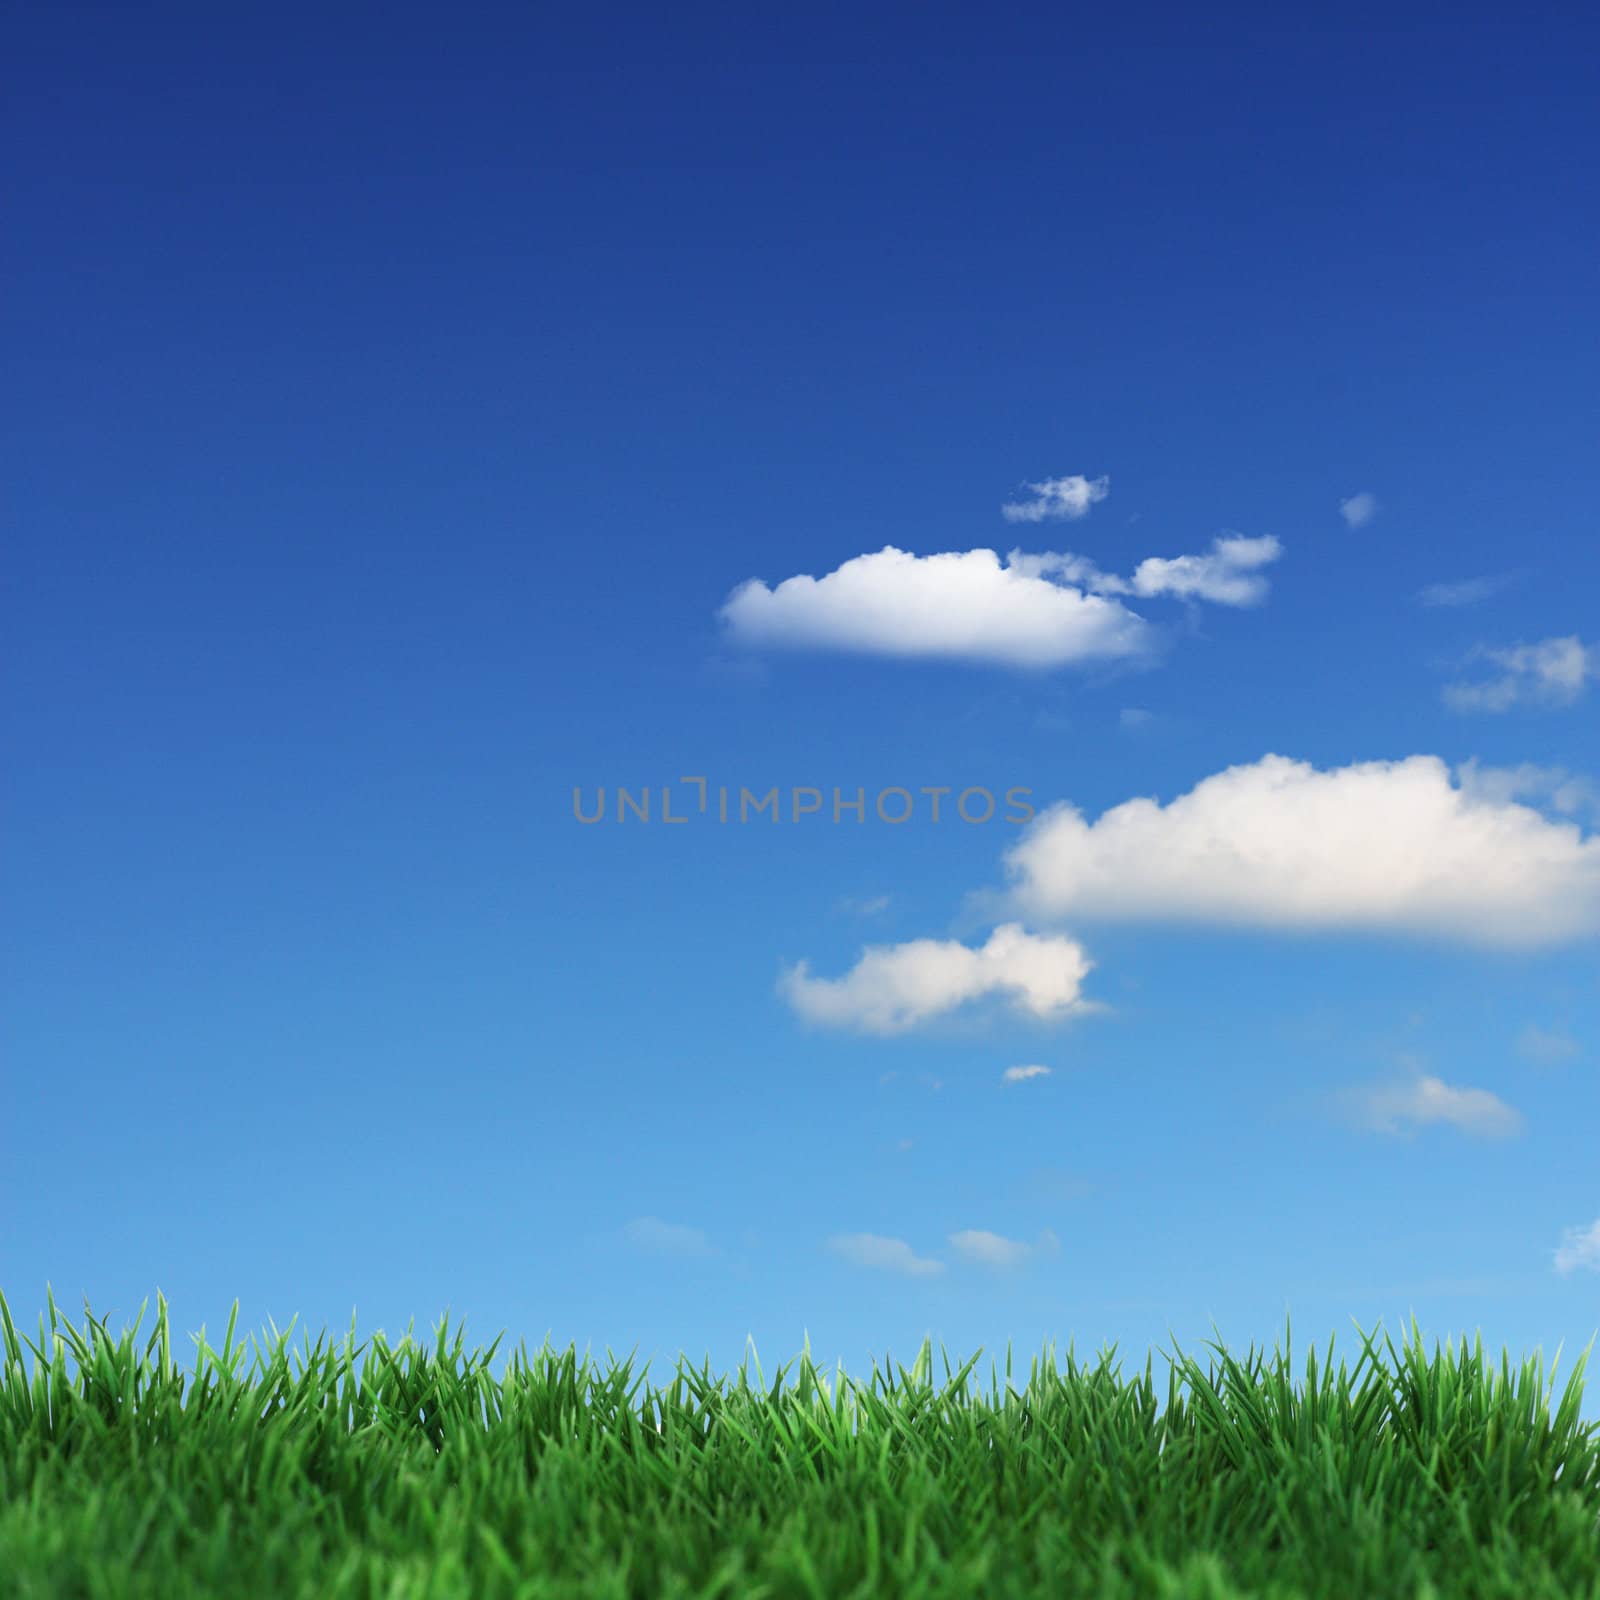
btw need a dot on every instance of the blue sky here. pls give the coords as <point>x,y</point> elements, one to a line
<point>415,422</point>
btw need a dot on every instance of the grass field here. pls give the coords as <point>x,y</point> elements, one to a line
<point>404,1471</point>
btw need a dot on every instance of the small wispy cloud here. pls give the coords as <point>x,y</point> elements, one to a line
<point>1359,509</point>
<point>1563,791</point>
<point>1022,1074</point>
<point>1580,1247</point>
<point>1550,673</point>
<point>884,1255</point>
<point>1534,1044</point>
<point>1465,592</point>
<point>1135,717</point>
<point>865,906</point>
<point>668,1238</point>
<point>1058,499</point>
<point>893,988</point>
<point>1225,575</point>
<point>992,1250</point>
<point>1425,1101</point>
<point>977,1245</point>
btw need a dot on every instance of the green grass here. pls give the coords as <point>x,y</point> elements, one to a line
<point>400,1472</point>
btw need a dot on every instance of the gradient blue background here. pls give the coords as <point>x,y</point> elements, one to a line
<point>395,394</point>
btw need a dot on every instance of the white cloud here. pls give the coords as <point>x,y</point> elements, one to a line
<point>974,1244</point>
<point>1225,576</point>
<point>1426,1100</point>
<point>1552,672</point>
<point>1135,717</point>
<point>1022,1074</point>
<point>865,906</point>
<point>895,987</point>
<point>888,1255</point>
<point>1043,610</point>
<point>1359,509</point>
<point>1580,1247</point>
<point>991,1250</point>
<point>669,1238</point>
<point>1058,500</point>
<point>1534,1044</point>
<point>1467,592</point>
<point>1563,791</point>
<point>1387,846</point>
<point>960,605</point>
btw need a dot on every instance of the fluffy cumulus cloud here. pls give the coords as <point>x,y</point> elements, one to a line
<point>960,605</point>
<point>1359,509</point>
<point>893,988</point>
<point>1580,1247</point>
<point>1550,673</point>
<point>1022,1074</point>
<point>1387,846</point>
<point>1058,500</point>
<point>1045,610</point>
